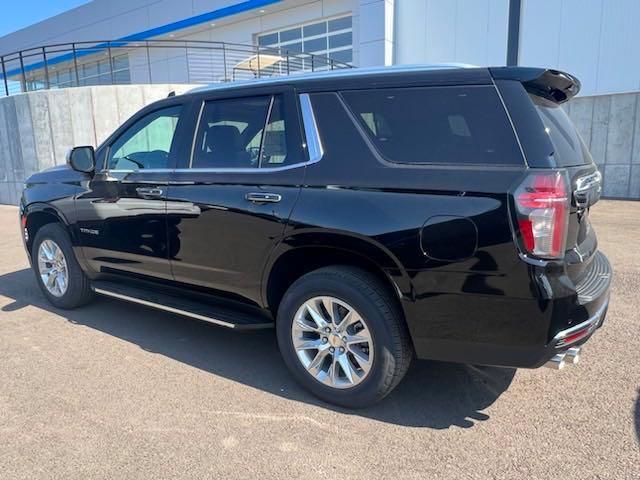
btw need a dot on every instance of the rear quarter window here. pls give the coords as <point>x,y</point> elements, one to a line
<point>437,125</point>
<point>568,148</point>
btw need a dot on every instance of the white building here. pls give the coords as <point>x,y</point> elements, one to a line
<point>593,39</point>
<point>589,38</point>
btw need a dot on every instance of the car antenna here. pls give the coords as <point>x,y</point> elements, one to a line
<point>172,93</point>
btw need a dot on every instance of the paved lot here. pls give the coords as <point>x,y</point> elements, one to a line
<point>118,391</point>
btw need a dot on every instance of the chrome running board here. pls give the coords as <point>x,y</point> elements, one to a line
<point>211,312</point>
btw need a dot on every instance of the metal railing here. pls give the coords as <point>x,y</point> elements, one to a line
<point>149,61</point>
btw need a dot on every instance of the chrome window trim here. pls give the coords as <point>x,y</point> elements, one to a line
<point>195,134</point>
<point>144,170</point>
<point>313,146</point>
<point>264,130</point>
<point>314,143</point>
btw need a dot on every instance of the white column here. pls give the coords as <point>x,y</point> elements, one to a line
<point>374,36</point>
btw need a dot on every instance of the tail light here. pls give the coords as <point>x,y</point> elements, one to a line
<point>542,203</point>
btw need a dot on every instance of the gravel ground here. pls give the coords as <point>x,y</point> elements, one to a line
<point>114,390</point>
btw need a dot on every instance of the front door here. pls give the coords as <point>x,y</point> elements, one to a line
<point>228,206</point>
<point>122,213</point>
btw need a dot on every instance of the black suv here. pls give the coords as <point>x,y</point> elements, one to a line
<point>369,215</point>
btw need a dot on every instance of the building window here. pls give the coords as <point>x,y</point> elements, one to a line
<point>99,73</point>
<point>90,73</point>
<point>332,38</point>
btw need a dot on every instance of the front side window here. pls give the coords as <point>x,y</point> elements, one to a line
<point>147,143</point>
<point>436,125</point>
<point>236,133</point>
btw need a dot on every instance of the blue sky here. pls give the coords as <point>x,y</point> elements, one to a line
<point>19,14</point>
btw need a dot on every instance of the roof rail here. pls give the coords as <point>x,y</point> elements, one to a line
<point>345,73</point>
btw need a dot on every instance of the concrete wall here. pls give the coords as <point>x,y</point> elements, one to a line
<point>610,126</point>
<point>38,128</point>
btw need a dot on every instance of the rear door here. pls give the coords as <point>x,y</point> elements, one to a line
<point>229,202</point>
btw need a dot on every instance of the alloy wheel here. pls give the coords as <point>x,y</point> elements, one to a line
<point>333,342</point>
<point>52,267</point>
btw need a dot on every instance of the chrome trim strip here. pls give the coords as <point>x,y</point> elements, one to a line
<point>314,143</point>
<point>314,148</point>
<point>588,190</point>
<point>144,170</point>
<point>264,131</point>
<point>259,197</point>
<point>240,170</point>
<point>590,324</point>
<point>214,170</point>
<point>163,307</point>
<point>588,181</point>
<point>195,134</point>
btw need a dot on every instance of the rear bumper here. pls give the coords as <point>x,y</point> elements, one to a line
<point>576,335</point>
<point>532,332</point>
<point>581,332</point>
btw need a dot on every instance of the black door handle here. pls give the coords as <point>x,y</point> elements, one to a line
<point>263,197</point>
<point>150,192</point>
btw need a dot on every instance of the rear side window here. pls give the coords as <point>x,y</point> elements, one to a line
<point>568,148</point>
<point>248,132</point>
<point>437,125</point>
<point>230,133</point>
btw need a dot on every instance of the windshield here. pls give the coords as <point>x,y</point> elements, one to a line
<point>569,148</point>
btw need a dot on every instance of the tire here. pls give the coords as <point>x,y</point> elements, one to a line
<point>78,288</point>
<point>383,326</point>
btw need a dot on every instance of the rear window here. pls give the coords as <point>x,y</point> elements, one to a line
<point>437,125</point>
<point>568,148</point>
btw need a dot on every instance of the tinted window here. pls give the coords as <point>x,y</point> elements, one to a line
<point>315,29</point>
<point>232,134</point>
<point>227,132</point>
<point>147,143</point>
<point>459,125</point>
<point>289,35</point>
<point>339,24</point>
<point>569,149</point>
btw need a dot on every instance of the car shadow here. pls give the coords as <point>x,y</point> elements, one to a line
<point>637,417</point>
<point>433,394</point>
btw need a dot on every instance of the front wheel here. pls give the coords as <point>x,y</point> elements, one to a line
<point>57,271</point>
<point>343,337</point>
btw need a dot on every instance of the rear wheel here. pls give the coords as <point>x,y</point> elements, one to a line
<point>57,271</point>
<point>343,337</point>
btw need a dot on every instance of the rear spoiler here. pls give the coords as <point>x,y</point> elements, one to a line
<point>554,85</point>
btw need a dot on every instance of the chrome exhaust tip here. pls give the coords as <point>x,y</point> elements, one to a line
<point>572,355</point>
<point>557,362</point>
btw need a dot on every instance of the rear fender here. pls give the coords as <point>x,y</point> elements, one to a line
<point>358,247</point>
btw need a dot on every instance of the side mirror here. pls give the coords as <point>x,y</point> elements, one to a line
<point>82,159</point>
